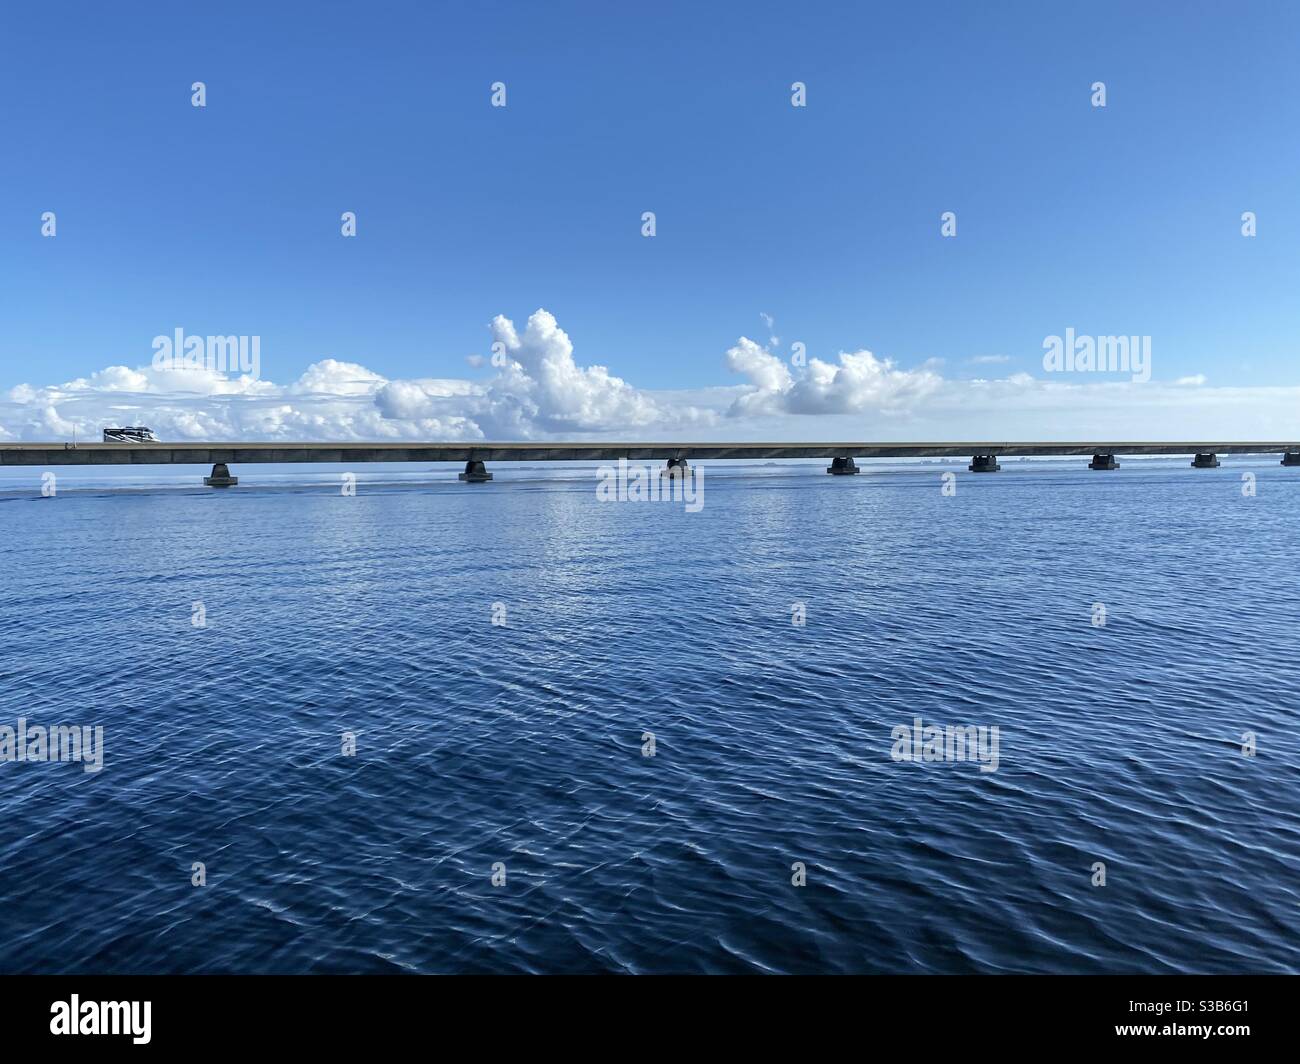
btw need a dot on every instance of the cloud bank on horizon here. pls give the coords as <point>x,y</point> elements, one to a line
<point>539,391</point>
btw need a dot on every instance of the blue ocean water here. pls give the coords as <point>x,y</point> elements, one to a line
<point>521,744</point>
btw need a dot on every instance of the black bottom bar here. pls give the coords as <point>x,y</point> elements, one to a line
<point>1233,1017</point>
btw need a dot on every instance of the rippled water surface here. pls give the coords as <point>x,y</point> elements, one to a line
<point>522,743</point>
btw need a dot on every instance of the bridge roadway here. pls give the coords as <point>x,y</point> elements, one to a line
<point>476,454</point>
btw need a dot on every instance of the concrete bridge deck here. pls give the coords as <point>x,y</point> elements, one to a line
<point>984,454</point>
<point>49,454</point>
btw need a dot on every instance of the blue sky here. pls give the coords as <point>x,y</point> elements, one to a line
<point>225,219</point>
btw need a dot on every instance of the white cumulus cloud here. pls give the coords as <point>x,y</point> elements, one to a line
<point>534,387</point>
<point>539,389</point>
<point>859,383</point>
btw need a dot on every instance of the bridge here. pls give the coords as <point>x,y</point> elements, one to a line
<point>677,456</point>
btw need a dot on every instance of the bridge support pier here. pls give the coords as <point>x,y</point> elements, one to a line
<point>475,472</point>
<point>1205,460</point>
<point>677,467</point>
<point>984,463</point>
<point>221,477</point>
<point>1103,461</point>
<point>1291,458</point>
<point>842,467</point>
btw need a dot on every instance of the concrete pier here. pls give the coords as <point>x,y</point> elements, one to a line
<point>220,477</point>
<point>984,463</point>
<point>475,472</point>
<point>842,467</point>
<point>1103,461</point>
<point>1291,458</point>
<point>1205,460</point>
<point>677,467</point>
